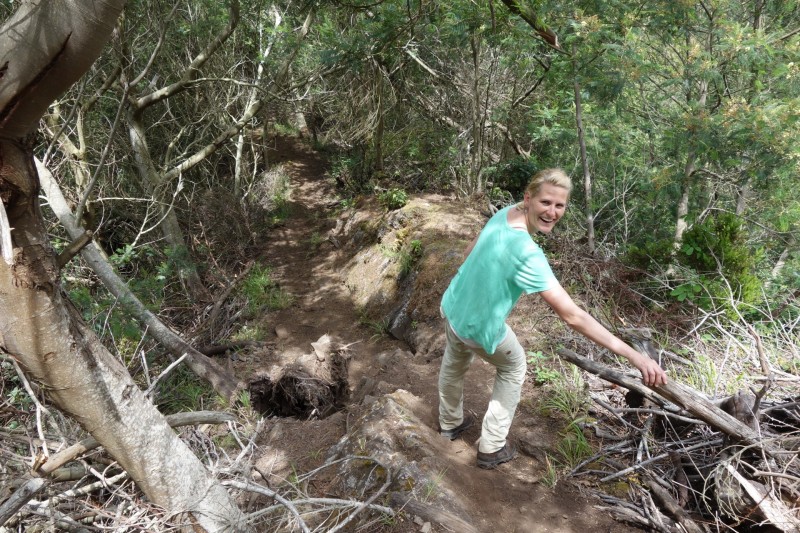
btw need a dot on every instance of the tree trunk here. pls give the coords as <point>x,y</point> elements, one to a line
<point>587,175</point>
<point>476,155</point>
<point>377,140</point>
<point>170,227</point>
<point>686,181</point>
<point>52,45</point>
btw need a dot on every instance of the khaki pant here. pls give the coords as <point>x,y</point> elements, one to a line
<point>508,359</point>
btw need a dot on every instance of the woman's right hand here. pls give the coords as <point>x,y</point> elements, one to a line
<point>652,374</point>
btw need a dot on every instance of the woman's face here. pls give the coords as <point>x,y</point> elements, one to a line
<point>546,207</point>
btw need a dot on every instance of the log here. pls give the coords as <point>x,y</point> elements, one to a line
<point>429,513</point>
<point>681,395</point>
<point>772,509</point>
<point>21,496</point>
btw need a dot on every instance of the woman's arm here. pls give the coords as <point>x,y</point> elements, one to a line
<point>582,322</point>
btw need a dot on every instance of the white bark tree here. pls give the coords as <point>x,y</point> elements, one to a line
<point>45,46</point>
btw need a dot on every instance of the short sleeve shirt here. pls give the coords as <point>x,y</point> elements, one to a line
<point>504,263</point>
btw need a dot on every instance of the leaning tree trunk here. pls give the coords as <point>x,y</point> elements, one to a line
<point>44,48</point>
<point>587,175</point>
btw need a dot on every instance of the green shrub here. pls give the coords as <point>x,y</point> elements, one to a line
<point>542,374</point>
<point>393,198</point>
<point>409,257</point>
<point>512,176</point>
<point>645,255</point>
<point>726,266</point>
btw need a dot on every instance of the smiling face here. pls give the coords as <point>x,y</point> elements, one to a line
<point>546,207</point>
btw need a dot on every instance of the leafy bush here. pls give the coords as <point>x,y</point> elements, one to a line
<point>542,374</point>
<point>716,250</point>
<point>513,175</point>
<point>351,173</point>
<point>393,198</point>
<point>408,258</point>
<point>650,253</point>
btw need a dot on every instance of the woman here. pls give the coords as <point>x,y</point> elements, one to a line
<point>502,263</point>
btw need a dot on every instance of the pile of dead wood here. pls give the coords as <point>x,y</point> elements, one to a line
<point>690,463</point>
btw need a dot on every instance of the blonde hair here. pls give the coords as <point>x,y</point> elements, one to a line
<point>553,176</point>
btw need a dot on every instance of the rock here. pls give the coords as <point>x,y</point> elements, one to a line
<point>426,527</point>
<point>323,347</point>
<point>282,332</point>
<point>392,444</point>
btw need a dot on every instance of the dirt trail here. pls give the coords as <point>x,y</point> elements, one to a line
<point>510,498</point>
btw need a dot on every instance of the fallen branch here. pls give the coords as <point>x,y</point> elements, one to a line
<point>204,367</point>
<point>176,420</point>
<point>773,509</point>
<point>73,249</point>
<point>672,508</point>
<point>682,396</point>
<point>20,497</point>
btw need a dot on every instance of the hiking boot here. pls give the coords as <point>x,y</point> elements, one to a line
<point>453,434</point>
<point>503,455</point>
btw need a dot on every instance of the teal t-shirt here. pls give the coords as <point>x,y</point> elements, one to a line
<point>503,264</point>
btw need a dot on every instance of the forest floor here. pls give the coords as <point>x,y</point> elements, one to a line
<point>511,498</point>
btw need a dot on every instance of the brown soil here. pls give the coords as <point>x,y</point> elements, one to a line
<point>510,498</point>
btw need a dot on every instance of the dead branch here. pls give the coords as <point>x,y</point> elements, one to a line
<point>682,396</point>
<point>219,349</point>
<point>73,249</point>
<point>176,420</point>
<point>5,236</point>
<point>673,509</point>
<point>224,296</point>
<point>20,497</point>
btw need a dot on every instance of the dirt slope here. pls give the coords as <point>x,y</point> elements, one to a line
<point>510,498</point>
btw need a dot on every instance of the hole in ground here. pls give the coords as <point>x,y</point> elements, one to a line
<point>299,396</point>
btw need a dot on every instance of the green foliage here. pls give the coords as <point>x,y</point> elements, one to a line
<point>717,251</point>
<point>280,208</point>
<point>101,311</point>
<point>542,374</point>
<point>551,474</point>
<point>650,253</point>
<point>687,291</point>
<point>12,394</point>
<point>184,391</point>
<point>512,176</point>
<point>350,173</point>
<point>249,332</point>
<point>409,257</point>
<point>703,374</point>
<point>393,198</point>
<point>566,396</point>
<point>379,327</point>
<point>573,447</point>
<point>261,291</point>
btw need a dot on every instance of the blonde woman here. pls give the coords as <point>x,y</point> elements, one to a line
<point>503,263</point>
